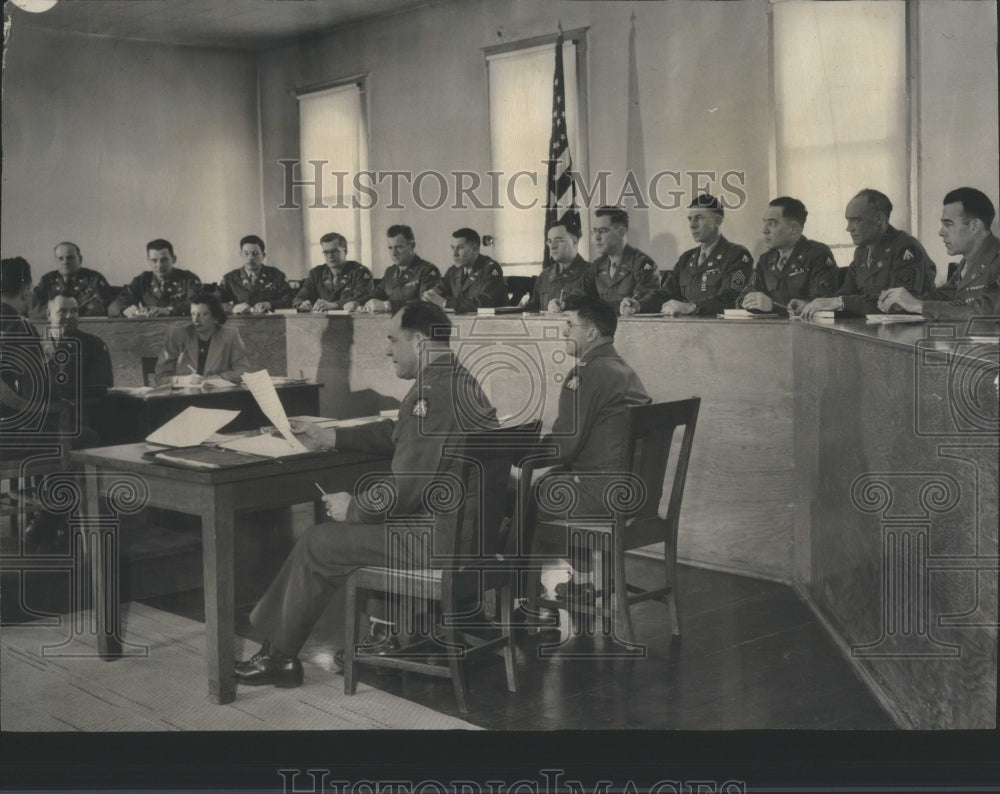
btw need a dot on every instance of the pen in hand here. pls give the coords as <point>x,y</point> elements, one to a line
<point>320,488</point>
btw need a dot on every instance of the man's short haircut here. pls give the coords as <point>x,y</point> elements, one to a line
<point>878,200</point>
<point>427,318</point>
<point>616,215</point>
<point>252,239</point>
<point>333,237</point>
<point>791,208</point>
<point>570,227</point>
<point>467,234</point>
<point>67,242</point>
<point>975,204</point>
<point>159,244</point>
<point>399,229</point>
<point>594,311</point>
<point>213,304</point>
<point>706,201</point>
<point>15,272</point>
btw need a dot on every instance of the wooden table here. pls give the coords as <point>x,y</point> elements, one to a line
<point>125,417</point>
<point>128,482</point>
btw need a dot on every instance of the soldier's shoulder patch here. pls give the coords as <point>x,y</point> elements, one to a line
<point>573,383</point>
<point>647,266</point>
<point>909,253</point>
<point>746,259</point>
<point>830,262</point>
<point>739,280</point>
<point>495,272</point>
<point>420,408</point>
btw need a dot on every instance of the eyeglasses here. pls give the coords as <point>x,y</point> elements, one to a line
<point>578,325</point>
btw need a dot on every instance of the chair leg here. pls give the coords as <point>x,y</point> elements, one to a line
<point>509,654</point>
<point>670,566</point>
<point>457,664</point>
<point>623,614</point>
<point>350,635</point>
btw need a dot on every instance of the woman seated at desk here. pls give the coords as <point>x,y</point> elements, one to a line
<point>203,348</point>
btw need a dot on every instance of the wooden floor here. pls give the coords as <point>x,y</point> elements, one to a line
<point>752,656</point>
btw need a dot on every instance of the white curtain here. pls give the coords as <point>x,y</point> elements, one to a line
<point>332,130</point>
<point>840,91</point>
<point>520,127</point>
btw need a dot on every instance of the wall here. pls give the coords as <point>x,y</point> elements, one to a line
<point>112,143</point>
<point>957,72</point>
<point>428,104</point>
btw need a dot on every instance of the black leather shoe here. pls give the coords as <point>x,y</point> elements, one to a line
<point>379,641</point>
<point>250,664</point>
<point>284,672</point>
<point>576,595</point>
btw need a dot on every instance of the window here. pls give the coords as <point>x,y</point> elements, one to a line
<point>333,130</point>
<point>520,86</point>
<point>842,112</point>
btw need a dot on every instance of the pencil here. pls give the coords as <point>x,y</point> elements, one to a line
<point>320,488</point>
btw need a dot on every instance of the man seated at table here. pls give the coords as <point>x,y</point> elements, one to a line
<point>254,288</point>
<point>337,283</point>
<point>444,402</point>
<point>90,288</point>
<point>164,290</point>
<point>203,348</point>
<point>20,349</point>
<point>407,278</point>
<point>974,288</point>
<point>567,274</point>
<point>589,431</point>
<point>626,278</point>
<point>709,278</point>
<point>474,281</point>
<point>885,257</point>
<point>793,268</point>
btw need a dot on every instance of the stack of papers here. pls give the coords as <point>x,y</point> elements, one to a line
<point>191,427</point>
<point>745,314</point>
<point>885,319</point>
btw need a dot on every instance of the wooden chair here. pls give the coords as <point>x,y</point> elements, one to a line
<point>459,583</point>
<point>634,520</point>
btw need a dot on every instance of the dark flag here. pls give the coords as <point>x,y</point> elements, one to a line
<point>560,203</point>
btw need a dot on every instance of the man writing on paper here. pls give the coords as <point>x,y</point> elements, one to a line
<point>974,288</point>
<point>793,270</point>
<point>885,257</point>
<point>568,274</point>
<point>164,290</point>
<point>338,284</point>
<point>444,402</point>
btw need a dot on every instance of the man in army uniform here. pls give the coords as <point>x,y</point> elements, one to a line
<point>336,284</point>
<point>255,288</point>
<point>569,273</point>
<point>625,277</point>
<point>430,417</point>
<point>974,288</point>
<point>162,291</point>
<point>709,278</point>
<point>885,257</point>
<point>474,280</point>
<point>793,268</point>
<point>90,288</point>
<point>407,278</point>
<point>589,431</point>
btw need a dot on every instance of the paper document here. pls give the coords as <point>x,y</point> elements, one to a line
<point>265,446</point>
<point>323,421</point>
<point>216,382</point>
<point>745,314</point>
<point>192,426</point>
<point>263,391</point>
<point>895,318</point>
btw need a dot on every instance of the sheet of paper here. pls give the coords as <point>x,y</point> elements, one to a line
<point>192,426</point>
<point>264,445</point>
<point>263,391</point>
<point>216,382</point>
<point>895,318</point>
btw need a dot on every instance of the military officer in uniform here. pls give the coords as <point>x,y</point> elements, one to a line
<point>430,417</point>
<point>335,284</point>
<point>589,431</point>
<point>974,288</point>
<point>407,278</point>
<point>90,288</point>
<point>163,290</point>
<point>793,267</point>
<point>709,278</point>
<point>885,257</point>
<point>625,277</point>
<point>255,288</point>
<point>474,281</point>
<point>568,274</point>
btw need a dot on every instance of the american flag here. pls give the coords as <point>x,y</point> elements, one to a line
<point>561,202</point>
